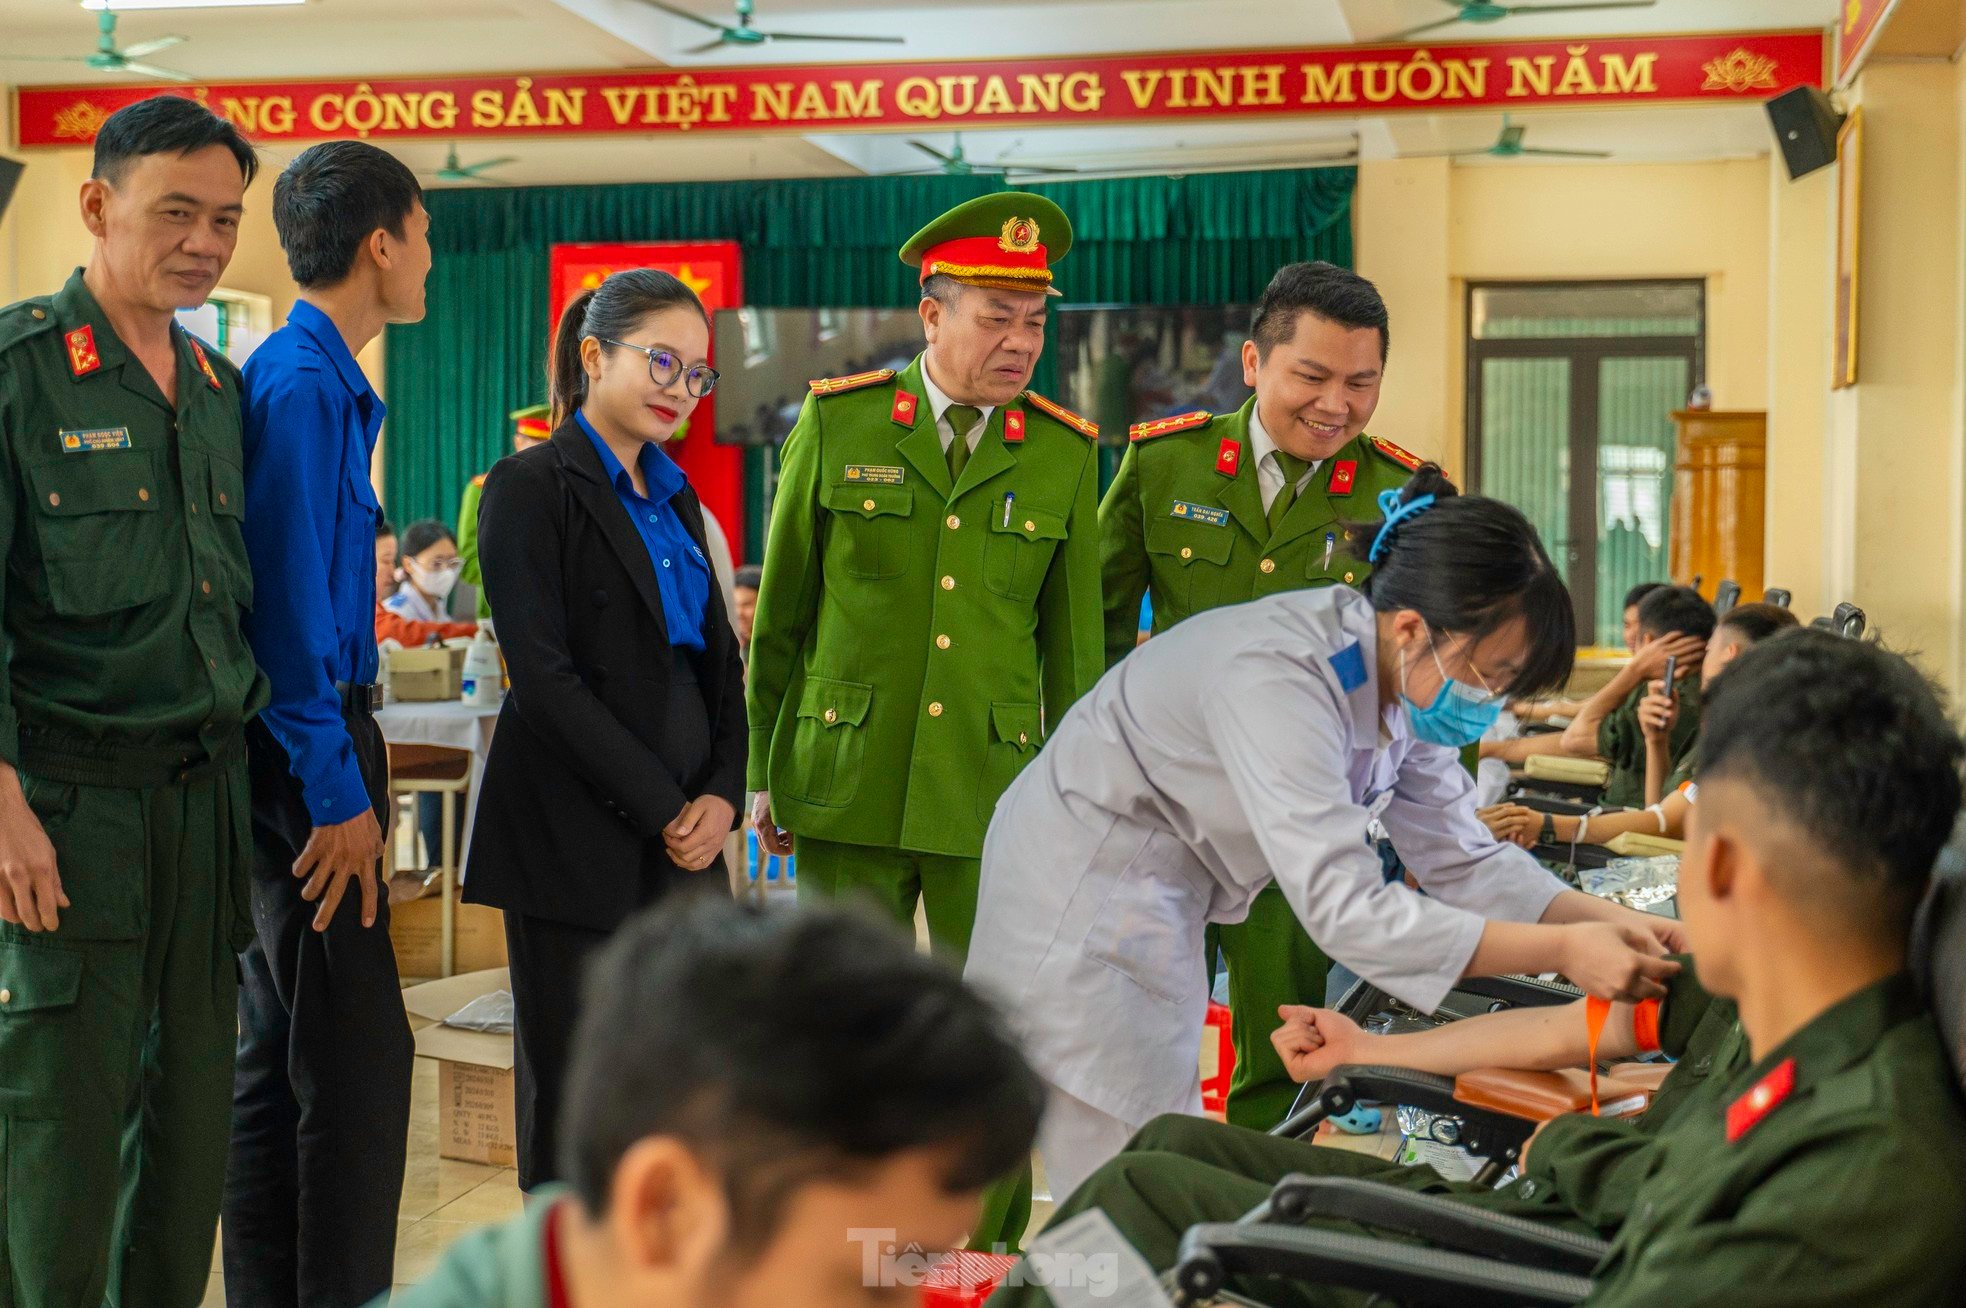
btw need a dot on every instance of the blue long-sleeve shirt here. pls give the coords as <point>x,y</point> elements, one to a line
<point>682,574</point>
<point>311,424</point>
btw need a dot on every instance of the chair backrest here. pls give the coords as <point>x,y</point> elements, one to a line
<point>1849,620</point>
<point>1725,596</point>
<point>1938,948</point>
<point>1777,596</point>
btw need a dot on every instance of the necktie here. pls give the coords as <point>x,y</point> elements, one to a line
<point>1292,468</point>
<point>962,418</point>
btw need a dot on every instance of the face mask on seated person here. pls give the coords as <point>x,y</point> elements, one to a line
<point>437,583</point>
<point>1460,714</point>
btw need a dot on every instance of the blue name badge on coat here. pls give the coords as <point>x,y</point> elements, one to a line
<point>1202,513</point>
<point>100,438</point>
<point>1349,664</point>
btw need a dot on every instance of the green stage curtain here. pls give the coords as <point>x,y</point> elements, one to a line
<point>480,352</point>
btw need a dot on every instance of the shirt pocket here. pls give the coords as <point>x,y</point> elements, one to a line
<point>102,536</point>
<point>1019,552</point>
<point>871,524</point>
<point>829,742</point>
<point>1190,565</point>
<point>1014,739</point>
<point>225,496</point>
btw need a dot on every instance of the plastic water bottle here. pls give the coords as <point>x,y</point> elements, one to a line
<point>484,671</point>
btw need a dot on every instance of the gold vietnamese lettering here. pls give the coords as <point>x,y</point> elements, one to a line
<point>1331,85</point>
<point>524,111</point>
<point>1577,79</point>
<point>1530,76</point>
<point>362,111</point>
<point>1261,85</point>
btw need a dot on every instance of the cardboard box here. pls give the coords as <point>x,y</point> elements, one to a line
<point>426,674</point>
<point>416,930</point>
<point>475,1121</point>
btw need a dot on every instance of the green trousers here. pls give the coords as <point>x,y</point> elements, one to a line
<point>1272,961</point>
<point>895,880</point>
<point>116,1042</point>
<point>1181,1171</point>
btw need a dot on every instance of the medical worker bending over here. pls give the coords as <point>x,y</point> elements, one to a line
<point>1262,741</point>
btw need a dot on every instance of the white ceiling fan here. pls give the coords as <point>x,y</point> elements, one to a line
<point>108,57</point>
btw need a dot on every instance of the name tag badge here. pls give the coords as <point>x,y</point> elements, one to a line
<point>1202,513</point>
<point>100,438</point>
<point>874,474</point>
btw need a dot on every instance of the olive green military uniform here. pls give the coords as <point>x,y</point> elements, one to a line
<point>127,689</point>
<point>534,423</point>
<point>1185,519</point>
<point>1621,743</point>
<point>1585,1172</point>
<point>914,639</point>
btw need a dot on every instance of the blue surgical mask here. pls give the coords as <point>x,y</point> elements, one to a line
<point>1459,716</point>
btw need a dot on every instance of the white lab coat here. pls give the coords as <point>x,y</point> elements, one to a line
<point>1244,743</point>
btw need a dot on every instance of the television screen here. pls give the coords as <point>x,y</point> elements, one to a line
<point>1115,365</point>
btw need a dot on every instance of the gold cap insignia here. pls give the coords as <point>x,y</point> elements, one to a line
<point>1020,236</point>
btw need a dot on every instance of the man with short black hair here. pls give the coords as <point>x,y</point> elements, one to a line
<point>764,1108</point>
<point>322,1100</point>
<point>1673,622</point>
<point>1208,511</point>
<point>127,683</point>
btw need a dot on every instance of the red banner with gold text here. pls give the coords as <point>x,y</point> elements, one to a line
<point>1336,80</point>
<point>715,271</point>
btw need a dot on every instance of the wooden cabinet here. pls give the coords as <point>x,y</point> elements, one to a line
<point>1718,499</point>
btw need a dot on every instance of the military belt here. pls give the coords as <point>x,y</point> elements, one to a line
<point>78,761</point>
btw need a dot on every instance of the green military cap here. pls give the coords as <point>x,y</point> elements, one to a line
<point>533,422</point>
<point>1008,241</point>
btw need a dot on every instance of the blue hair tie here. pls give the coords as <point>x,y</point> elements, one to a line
<point>1395,513</point>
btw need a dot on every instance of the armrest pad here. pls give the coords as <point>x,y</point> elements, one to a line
<point>1443,1222</point>
<point>1649,1075</point>
<point>1539,1096</point>
<point>1212,1254</point>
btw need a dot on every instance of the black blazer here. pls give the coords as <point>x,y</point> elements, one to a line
<point>575,796</point>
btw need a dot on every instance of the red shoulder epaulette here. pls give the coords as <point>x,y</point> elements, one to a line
<point>1083,426</point>
<point>859,380</point>
<point>1146,431</point>
<point>1410,462</point>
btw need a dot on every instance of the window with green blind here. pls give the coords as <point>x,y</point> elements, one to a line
<point>1571,389</point>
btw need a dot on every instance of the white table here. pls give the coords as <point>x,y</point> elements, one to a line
<point>448,724</point>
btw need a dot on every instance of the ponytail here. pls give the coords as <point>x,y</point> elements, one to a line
<point>611,310</point>
<point>1468,565</point>
<point>566,376</point>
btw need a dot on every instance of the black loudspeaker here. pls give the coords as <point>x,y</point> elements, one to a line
<point>9,174</point>
<point>1805,124</point>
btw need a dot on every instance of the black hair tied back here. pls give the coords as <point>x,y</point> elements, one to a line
<point>1469,565</point>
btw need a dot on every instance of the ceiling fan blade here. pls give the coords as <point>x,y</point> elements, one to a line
<point>1580,8</point>
<point>1569,154</point>
<point>676,12</point>
<point>1511,137</point>
<point>42,59</point>
<point>1038,168</point>
<point>487,165</point>
<point>817,36</point>
<point>145,49</point>
<point>932,152</point>
<point>706,47</point>
<point>151,70</point>
<point>1422,28</point>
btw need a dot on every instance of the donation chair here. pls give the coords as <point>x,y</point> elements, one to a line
<point>1473,1259</point>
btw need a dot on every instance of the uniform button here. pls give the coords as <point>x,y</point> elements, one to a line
<point>1187,553</point>
<point>1023,737</point>
<point>55,500</point>
<point>867,505</point>
<point>1267,565</point>
<point>1029,525</point>
<point>205,586</point>
<point>7,996</point>
<point>143,493</point>
<point>40,315</point>
<point>954,522</point>
<point>935,709</point>
<point>223,499</point>
<point>831,715</point>
<point>194,507</point>
<point>1348,578</point>
<point>1528,1189</point>
<point>948,583</point>
<point>941,642</point>
<point>665,563</point>
<point>212,664</point>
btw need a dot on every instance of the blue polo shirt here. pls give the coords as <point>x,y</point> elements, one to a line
<point>681,572</point>
<point>310,429</point>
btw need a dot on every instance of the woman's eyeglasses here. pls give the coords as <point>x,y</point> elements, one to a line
<point>665,368</point>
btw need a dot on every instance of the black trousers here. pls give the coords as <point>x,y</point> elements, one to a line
<point>321,1095</point>
<point>549,959</point>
